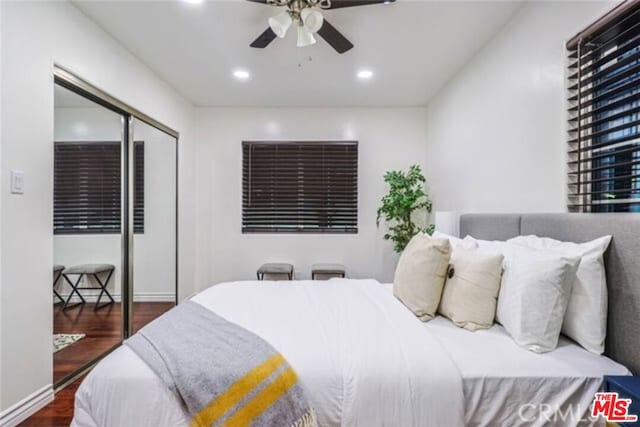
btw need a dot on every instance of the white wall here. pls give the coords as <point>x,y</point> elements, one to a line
<point>496,133</point>
<point>389,139</point>
<point>67,37</point>
<point>154,250</point>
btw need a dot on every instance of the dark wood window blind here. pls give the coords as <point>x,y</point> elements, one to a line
<point>297,187</point>
<point>604,115</point>
<point>87,187</point>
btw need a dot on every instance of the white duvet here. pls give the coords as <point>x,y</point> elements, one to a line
<point>364,359</point>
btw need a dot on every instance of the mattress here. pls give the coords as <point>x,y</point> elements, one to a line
<point>506,385</point>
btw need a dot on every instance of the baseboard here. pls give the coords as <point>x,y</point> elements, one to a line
<point>154,297</point>
<point>28,406</point>
<point>137,297</point>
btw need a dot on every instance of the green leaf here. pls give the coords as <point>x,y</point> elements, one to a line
<point>406,195</point>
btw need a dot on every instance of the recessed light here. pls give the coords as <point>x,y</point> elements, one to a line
<point>365,74</point>
<point>241,74</point>
<point>193,1</point>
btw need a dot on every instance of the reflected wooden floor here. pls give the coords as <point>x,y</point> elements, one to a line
<point>103,330</point>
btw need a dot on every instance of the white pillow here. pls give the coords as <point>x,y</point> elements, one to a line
<point>420,275</point>
<point>455,241</point>
<point>534,295</point>
<point>471,290</point>
<point>488,246</point>
<point>586,318</point>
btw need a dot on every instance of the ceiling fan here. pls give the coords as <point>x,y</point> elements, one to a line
<point>309,21</point>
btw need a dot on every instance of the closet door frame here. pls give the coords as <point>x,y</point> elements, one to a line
<point>73,82</point>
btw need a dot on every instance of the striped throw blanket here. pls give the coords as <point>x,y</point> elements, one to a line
<point>223,374</point>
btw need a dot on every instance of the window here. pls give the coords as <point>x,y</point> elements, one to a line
<point>300,187</point>
<point>87,186</point>
<point>604,114</point>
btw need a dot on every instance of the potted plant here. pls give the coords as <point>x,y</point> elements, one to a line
<point>405,198</point>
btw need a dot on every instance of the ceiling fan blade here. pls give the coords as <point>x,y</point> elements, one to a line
<point>336,4</point>
<point>334,37</point>
<point>258,1</point>
<point>264,39</point>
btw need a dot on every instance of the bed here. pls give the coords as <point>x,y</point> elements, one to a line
<point>366,361</point>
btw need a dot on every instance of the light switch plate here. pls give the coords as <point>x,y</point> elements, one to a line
<point>17,182</point>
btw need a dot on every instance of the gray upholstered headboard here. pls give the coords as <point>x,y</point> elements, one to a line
<point>622,263</point>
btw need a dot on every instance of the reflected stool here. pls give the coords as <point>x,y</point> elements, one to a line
<point>57,273</point>
<point>89,270</point>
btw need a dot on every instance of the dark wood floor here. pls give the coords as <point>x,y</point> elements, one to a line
<point>59,412</point>
<point>103,330</point>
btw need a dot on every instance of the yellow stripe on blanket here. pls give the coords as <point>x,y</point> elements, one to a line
<point>226,401</point>
<point>261,401</point>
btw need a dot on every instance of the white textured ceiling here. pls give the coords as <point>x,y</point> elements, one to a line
<point>413,47</point>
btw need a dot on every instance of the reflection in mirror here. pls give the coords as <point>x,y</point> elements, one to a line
<point>154,240</point>
<point>87,237</point>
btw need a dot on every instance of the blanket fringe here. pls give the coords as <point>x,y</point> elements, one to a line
<point>307,420</point>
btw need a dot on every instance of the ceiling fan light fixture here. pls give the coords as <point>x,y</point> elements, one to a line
<point>312,19</point>
<point>305,37</point>
<point>280,23</point>
<point>306,14</point>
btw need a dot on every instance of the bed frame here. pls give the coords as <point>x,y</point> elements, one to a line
<point>622,261</point>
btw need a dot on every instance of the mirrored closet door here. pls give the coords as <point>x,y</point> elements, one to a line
<point>87,232</point>
<point>114,223</point>
<point>155,226</point>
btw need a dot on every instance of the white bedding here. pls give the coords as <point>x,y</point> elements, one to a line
<point>506,385</point>
<point>364,359</point>
<point>367,361</point>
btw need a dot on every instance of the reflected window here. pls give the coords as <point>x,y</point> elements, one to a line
<point>87,187</point>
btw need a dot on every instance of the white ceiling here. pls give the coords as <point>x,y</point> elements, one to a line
<point>413,47</point>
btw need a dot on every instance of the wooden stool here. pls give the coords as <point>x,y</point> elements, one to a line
<point>328,270</point>
<point>275,268</point>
